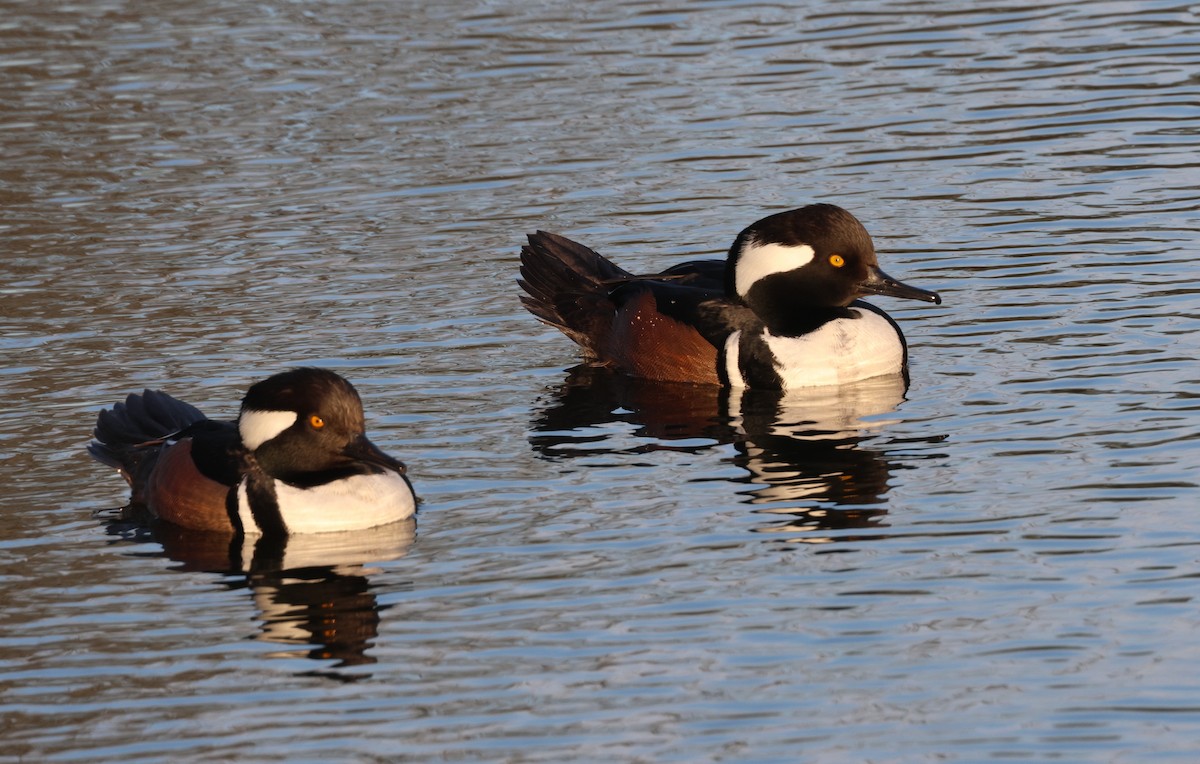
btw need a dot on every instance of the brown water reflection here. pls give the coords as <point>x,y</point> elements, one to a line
<point>813,456</point>
<point>311,593</point>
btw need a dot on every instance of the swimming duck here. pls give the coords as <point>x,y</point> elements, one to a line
<point>297,460</point>
<point>783,311</point>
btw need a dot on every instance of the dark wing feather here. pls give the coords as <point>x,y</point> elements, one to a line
<point>151,416</point>
<point>567,286</point>
<point>696,303</point>
<point>705,274</point>
<point>127,435</point>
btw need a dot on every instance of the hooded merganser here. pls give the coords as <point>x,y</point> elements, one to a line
<point>782,311</point>
<point>296,461</point>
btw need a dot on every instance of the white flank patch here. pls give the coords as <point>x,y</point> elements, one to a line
<point>842,351</point>
<point>257,427</point>
<point>732,356</point>
<point>354,503</point>
<point>758,261</point>
<point>249,527</point>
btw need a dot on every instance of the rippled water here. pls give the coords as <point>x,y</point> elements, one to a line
<point>999,563</point>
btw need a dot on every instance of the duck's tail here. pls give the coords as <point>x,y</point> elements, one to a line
<point>567,285</point>
<point>128,436</point>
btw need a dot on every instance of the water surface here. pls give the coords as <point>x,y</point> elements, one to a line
<point>999,562</point>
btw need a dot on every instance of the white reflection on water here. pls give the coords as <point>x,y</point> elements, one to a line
<point>312,592</point>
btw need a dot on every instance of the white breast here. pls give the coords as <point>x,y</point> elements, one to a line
<point>355,503</point>
<point>840,352</point>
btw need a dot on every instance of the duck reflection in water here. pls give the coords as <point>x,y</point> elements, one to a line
<point>806,453</point>
<point>312,592</point>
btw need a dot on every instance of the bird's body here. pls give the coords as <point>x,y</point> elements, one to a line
<point>782,311</point>
<point>296,461</point>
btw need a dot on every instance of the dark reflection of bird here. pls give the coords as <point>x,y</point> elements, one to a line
<point>804,453</point>
<point>592,396</point>
<point>313,592</point>
<point>806,457</point>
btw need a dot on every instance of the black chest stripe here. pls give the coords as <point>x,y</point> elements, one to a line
<point>264,505</point>
<point>231,509</point>
<point>757,362</point>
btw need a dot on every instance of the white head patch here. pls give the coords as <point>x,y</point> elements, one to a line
<point>257,427</point>
<point>758,261</point>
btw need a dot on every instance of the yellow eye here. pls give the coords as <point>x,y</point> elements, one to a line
<point>316,421</point>
<point>837,261</point>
